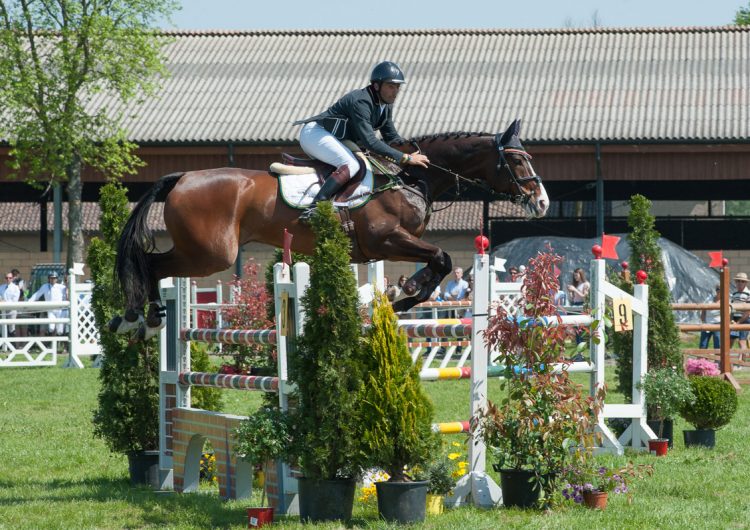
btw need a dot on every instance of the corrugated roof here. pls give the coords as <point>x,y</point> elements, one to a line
<point>659,84</point>
<point>24,217</point>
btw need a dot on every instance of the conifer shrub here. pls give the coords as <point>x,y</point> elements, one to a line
<point>327,366</point>
<point>396,413</point>
<point>127,413</point>
<point>663,336</point>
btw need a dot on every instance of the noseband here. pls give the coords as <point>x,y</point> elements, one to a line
<point>502,164</point>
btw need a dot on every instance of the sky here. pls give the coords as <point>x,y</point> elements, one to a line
<point>447,14</point>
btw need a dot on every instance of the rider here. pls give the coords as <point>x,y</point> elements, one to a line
<point>356,117</point>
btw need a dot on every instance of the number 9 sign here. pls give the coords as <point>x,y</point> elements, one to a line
<point>623,314</point>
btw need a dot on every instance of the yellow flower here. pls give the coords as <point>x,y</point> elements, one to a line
<point>453,456</point>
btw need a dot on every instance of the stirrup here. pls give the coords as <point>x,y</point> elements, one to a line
<point>307,214</point>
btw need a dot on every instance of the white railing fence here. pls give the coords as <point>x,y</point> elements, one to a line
<point>33,344</point>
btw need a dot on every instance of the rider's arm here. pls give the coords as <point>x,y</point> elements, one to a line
<point>365,134</point>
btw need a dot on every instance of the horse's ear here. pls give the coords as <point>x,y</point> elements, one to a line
<point>512,132</point>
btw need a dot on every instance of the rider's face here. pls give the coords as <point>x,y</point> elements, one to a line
<point>389,91</point>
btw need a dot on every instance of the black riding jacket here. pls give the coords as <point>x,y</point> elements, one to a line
<point>356,117</point>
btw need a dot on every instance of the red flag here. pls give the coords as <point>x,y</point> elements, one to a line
<point>608,246</point>
<point>716,258</point>
<point>286,256</point>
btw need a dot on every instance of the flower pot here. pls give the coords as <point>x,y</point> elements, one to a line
<point>325,500</point>
<point>402,502</point>
<point>595,499</point>
<point>144,468</point>
<point>435,504</point>
<point>257,517</point>
<point>700,438</point>
<point>521,488</point>
<point>666,432</point>
<point>658,447</point>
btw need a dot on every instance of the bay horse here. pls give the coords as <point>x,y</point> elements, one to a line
<point>209,214</point>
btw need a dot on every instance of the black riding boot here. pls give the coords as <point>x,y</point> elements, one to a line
<point>329,188</point>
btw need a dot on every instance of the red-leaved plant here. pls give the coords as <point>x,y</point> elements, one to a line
<point>546,421</point>
<point>249,311</point>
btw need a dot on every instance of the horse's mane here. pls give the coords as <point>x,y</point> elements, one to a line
<point>444,136</point>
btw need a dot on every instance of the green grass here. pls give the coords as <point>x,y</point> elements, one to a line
<point>54,474</point>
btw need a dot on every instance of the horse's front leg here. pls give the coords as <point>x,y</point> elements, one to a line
<point>402,246</point>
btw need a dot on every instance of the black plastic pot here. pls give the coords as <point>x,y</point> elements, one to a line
<point>667,431</point>
<point>326,500</point>
<point>144,468</point>
<point>700,438</point>
<point>521,489</point>
<point>402,502</point>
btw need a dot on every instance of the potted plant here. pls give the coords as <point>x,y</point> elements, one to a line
<point>127,413</point>
<point>534,430</point>
<point>713,407</point>
<point>262,438</point>
<point>395,415</point>
<point>666,392</point>
<point>441,475</point>
<point>327,370</point>
<point>590,483</point>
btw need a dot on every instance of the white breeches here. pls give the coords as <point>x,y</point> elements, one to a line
<point>8,328</point>
<point>58,329</point>
<point>322,145</point>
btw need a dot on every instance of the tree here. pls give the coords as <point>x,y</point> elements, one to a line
<point>328,366</point>
<point>742,18</point>
<point>127,415</point>
<point>663,336</point>
<point>55,57</point>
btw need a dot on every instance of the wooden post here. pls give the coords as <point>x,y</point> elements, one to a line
<point>725,360</point>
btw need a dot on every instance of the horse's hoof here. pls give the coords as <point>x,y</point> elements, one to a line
<point>114,324</point>
<point>154,331</point>
<point>399,306</point>
<point>409,288</point>
<point>125,326</point>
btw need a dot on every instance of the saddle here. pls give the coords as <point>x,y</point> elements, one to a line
<point>304,166</point>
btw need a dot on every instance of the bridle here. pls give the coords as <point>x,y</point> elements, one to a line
<point>521,197</point>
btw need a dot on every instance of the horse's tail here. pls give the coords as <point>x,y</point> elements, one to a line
<point>136,242</point>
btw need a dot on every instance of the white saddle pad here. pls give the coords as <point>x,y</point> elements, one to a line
<point>298,191</point>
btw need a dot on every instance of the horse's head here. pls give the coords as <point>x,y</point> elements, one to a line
<point>497,163</point>
<point>515,176</point>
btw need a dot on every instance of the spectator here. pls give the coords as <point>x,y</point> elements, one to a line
<point>9,293</point>
<point>456,289</point>
<point>52,292</point>
<point>578,291</point>
<point>740,295</point>
<point>711,316</point>
<point>20,283</point>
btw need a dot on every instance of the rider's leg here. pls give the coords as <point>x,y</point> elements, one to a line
<point>322,145</point>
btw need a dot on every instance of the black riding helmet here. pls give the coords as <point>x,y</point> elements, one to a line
<point>387,71</point>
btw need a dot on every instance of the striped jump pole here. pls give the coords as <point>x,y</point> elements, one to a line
<point>229,336</point>
<point>451,427</point>
<point>233,381</point>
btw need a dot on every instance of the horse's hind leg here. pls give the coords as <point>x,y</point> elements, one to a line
<point>176,263</point>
